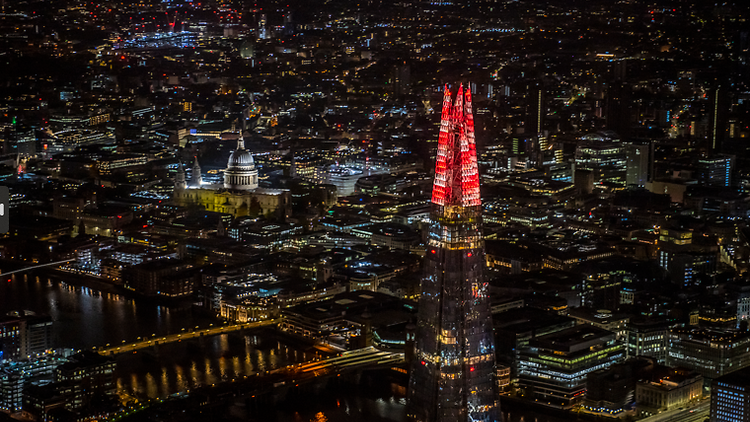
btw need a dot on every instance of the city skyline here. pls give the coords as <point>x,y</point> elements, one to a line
<point>266,211</point>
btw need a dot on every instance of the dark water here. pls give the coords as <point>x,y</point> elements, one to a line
<point>84,317</point>
<point>179,367</point>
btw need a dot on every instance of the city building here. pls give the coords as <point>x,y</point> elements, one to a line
<point>337,320</point>
<point>611,391</point>
<point>343,177</point>
<point>10,338</point>
<point>647,337</point>
<point>452,377</point>
<point>716,171</point>
<point>639,165</point>
<point>603,155</point>
<point>678,389</point>
<point>24,334</point>
<point>166,278</point>
<point>239,194</point>
<point>515,328</point>
<point>730,397</point>
<point>554,368</point>
<point>17,375</point>
<point>685,263</point>
<point>84,377</point>
<point>711,353</point>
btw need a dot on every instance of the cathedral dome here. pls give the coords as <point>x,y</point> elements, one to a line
<point>240,158</point>
<point>241,173</point>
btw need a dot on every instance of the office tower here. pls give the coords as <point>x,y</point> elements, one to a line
<point>730,397</point>
<point>263,31</point>
<point>401,79</point>
<point>452,374</point>
<point>603,156</point>
<point>535,110</point>
<point>716,171</point>
<point>639,164</point>
<point>288,24</point>
<point>717,119</point>
<point>619,109</point>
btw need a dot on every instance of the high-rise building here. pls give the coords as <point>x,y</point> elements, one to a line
<point>619,108</point>
<point>716,171</point>
<point>453,368</point>
<point>263,31</point>
<point>717,119</point>
<point>603,155</point>
<point>535,110</point>
<point>730,397</point>
<point>639,162</point>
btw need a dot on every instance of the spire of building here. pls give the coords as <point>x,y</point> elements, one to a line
<point>196,179</point>
<point>240,142</point>
<point>452,375</point>
<point>180,181</point>
<point>456,172</point>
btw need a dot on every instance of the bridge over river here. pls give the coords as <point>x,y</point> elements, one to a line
<point>155,341</point>
<point>268,385</point>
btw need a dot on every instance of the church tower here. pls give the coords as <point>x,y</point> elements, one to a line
<point>196,179</point>
<point>180,181</point>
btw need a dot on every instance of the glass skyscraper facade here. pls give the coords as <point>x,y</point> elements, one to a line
<point>452,377</point>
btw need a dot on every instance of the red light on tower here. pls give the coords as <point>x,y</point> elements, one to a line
<point>456,170</point>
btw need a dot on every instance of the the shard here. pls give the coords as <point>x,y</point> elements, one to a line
<point>452,377</point>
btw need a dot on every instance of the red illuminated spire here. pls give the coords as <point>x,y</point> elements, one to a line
<point>456,173</point>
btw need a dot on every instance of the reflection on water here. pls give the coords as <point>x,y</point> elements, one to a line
<point>182,366</point>
<point>84,317</point>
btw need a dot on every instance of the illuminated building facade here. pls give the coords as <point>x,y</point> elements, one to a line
<point>716,171</point>
<point>452,376</point>
<point>668,393</point>
<point>603,155</point>
<point>730,397</point>
<point>553,368</point>
<point>239,195</point>
<point>711,353</point>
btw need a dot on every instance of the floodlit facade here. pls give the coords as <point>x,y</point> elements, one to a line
<point>239,194</point>
<point>452,377</point>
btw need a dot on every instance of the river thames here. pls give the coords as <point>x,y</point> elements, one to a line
<point>84,317</point>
